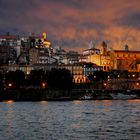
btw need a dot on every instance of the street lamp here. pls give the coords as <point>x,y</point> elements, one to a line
<point>133,75</point>
<point>137,84</point>
<point>43,85</point>
<point>105,84</point>
<point>10,85</point>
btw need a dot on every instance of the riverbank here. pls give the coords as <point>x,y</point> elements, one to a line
<point>32,94</point>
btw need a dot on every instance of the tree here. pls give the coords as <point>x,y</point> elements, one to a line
<point>17,78</point>
<point>98,76</point>
<point>35,77</point>
<point>59,79</point>
<point>1,80</point>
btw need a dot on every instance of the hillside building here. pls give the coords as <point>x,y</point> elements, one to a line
<point>111,59</point>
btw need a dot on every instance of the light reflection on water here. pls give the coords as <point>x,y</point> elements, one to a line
<point>72,120</point>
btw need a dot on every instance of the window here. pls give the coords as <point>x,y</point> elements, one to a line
<point>107,68</point>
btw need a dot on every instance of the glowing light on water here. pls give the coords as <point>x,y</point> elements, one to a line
<point>8,101</point>
<point>76,102</point>
<point>44,102</point>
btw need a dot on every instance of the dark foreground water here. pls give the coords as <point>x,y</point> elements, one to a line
<point>72,120</point>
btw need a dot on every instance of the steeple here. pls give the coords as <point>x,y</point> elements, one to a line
<point>104,47</point>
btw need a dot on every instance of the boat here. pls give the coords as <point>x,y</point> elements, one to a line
<point>122,96</point>
<point>86,97</point>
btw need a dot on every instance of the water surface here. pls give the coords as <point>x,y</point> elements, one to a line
<point>71,120</point>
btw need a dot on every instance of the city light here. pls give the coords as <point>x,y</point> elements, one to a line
<point>43,85</point>
<point>10,85</point>
<point>8,101</point>
<point>44,102</point>
<point>137,84</point>
<point>133,75</point>
<point>105,84</point>
<point>28,73</point>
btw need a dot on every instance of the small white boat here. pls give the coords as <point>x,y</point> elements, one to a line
<point>122,96</point>
<point>87,97</point>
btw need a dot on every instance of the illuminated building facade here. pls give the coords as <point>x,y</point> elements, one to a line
<point>37,50</point>
<point>127,60</point>
<point>114,59</point>
<point>99,57</point>
<point>80,71</point>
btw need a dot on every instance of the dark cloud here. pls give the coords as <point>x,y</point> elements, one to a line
<point>72,22</point>
<point>131,20</point>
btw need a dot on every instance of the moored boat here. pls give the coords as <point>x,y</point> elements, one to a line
<point>86,97</point>
<point>122,96</point>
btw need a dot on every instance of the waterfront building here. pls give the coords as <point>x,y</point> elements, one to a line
<point>79,71</point>
<point>13,49</point>
<point>25,68</point>
<point>33,55</point>
<point>100,57</point>
<point>111,59</point>
<point>8,46</point>
<point>72,57</point>
<point>38,50</point>
<point>127,60</point>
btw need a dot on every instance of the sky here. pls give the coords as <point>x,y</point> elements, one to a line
<point>72,24</point>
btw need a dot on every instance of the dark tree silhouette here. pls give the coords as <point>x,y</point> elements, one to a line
<point>59,79</point>
<point>54,79</point>
<point>9,77</point>
<point>17,78</point>
<point>36,77</point>
<point>98,76</point>
<point>1,80</point>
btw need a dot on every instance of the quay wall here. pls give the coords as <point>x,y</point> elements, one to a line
<point>33,94</point>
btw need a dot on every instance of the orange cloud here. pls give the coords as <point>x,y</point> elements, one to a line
<point>116,21</point>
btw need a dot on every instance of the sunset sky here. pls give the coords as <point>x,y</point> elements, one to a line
<point>74,23</point>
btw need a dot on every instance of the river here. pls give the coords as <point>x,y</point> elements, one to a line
<point>70,120</point>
